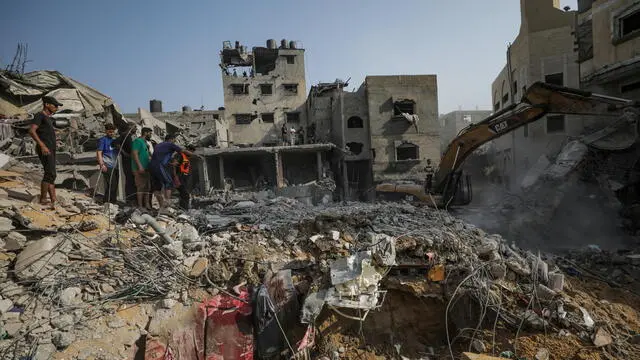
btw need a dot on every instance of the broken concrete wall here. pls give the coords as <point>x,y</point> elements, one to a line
<point>356,123</point>
<point>418,141</point>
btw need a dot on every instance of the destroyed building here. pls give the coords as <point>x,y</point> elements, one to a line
<point>608,39</point>
<point>80,122</point>
<point>263,89</point>
<point>542,51</point>
<point>270,135</point>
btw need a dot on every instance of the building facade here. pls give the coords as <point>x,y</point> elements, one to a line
<point>264,90</point>
<point>542,51</point>
<point>608,37</point>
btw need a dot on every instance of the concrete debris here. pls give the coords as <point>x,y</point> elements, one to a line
<point>40,258</point>
<point>95,284</point>
<point>62,339</point>
<point>542,354</point>
<point>14,241</point>
<point>602,337</point>
<point>5,305</point>
<point>6,225</point>
<point>71,296</point>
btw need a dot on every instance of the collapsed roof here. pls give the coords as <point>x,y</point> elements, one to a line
<point>21,94</point>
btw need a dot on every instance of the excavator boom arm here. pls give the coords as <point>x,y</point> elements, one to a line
<point>540,99</point>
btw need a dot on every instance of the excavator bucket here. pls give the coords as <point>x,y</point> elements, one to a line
<point>458,191</point>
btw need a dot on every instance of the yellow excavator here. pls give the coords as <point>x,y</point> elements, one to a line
<point>450,187</point>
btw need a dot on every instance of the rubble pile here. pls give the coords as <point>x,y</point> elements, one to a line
<point>87,281</point>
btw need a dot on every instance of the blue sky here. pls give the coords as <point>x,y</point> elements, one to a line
<point>134,51</point>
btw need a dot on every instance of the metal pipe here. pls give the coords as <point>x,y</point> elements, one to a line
<point>146,219</point>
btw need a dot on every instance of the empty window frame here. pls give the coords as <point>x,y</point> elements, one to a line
<point>505,99</point>
<point>267,117</point>
<point>266,89</point>
<point>293,117</point>
<point>243,119</point>
<point>496,106</point>
<point>407,151</point>
<point>630,24</point>
<point>404,106</point>
<point>355,122</point>
<point>240,89</point>
<point>290,89</point>
<point>555,124</point>
<point>555,79</point>
<point>291,59</point>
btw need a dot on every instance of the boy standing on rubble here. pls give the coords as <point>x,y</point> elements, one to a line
<point>161,174</point>
<point>44,135</point>
<point>108,162</point>
<point>140,159</point>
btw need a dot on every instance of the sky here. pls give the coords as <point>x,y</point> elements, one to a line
<point>134,51</point>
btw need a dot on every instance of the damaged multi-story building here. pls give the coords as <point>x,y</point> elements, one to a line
<point>542,51</point>
<point>271,134</point>
<point>608,39</point>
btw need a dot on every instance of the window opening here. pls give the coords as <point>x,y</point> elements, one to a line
<point>293,117</point>
<point>630,87</point>
<point>630,24</point>
<point>290,89</point>
<point>555,124</point>
<point>355,147</point>
<point>266,89</point>
<point>240,89</point>
<point>243,119</point>
<point>291,59</point>
<point>404,106</point>
<point>355,122</point>
<point>407,151</point>
<point>555,79</point>
<point>267,117</point>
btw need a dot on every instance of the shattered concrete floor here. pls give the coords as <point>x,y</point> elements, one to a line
<point>92,282</point>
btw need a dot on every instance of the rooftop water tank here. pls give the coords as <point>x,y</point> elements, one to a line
<point>271,44</point>
<point>292,44</point>
<point>186,108</point>
<point>283,44</point>
<point>155,106</point>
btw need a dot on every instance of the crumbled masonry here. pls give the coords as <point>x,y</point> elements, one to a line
<point>83,282</point>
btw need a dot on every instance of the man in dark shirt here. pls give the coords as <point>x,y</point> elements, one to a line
<point>123,145</point>
<point>162,183</point>
<point>44,135</point>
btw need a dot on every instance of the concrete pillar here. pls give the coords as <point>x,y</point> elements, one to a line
<point>319,164</point>
<point>221,169</point>
<point>279,170</point>
<point>205,184</point>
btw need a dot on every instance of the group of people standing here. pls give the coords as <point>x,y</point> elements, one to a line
<point>149,169</point>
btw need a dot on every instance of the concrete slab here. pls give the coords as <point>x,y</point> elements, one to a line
<point>472,356</point>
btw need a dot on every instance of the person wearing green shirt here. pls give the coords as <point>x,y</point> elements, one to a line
<point>140,166</point>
